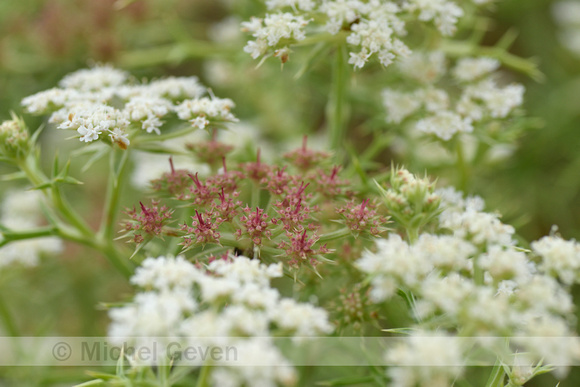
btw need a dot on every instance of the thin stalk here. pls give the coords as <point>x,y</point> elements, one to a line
<point>205,253</point>
<point>162,137</point>
<point>71,234</point>
<point>163,375</point>
<point>174,246</point>
<point>497,376</point>
<point>228,239</point>
<point>121,263</point>
<point>336,109</point>
<point>116,172</point>
<point>69,213</point>
<point>271,250</point>
<point>338,234</point>
<point>277,233</point>
<point>412,234</point>
<point>77,230</point>
<point>37,178</point>
<point>40,232</point>
<point>203,380</point>
<point>376,147</point>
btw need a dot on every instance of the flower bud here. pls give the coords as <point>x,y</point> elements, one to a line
<point>410,200</point>
<point>14,139</point>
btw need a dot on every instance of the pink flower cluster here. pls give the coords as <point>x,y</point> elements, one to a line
<point>251,205</point>
<point>149,221</point>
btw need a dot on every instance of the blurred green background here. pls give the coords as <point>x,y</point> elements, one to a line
<point>43,40</point>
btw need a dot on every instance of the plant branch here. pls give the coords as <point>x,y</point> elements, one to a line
<point>336,112</point>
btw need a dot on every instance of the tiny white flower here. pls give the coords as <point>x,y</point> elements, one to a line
<point>199,122</point>
<point>425,358</point>
<point>560,258</point>
<point>358,59</point>
<point>88,133</point>
<point>399,105</point>
<point>94,79</point>
<point>469,69</point>
<point>425,67</point>
<point>445,124</point>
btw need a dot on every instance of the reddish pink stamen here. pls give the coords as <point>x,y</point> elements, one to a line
<point>195,179</point>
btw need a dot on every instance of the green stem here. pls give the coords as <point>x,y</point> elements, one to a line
<point>120,261</point>
<point>206,253</point>
<point>163,372</point>
<point>69,214</point>
<point>203,380</point>
<point>378,145</point>
<point>229,239</point>
<point>174,245</point>
<point>277,233</point>
<point>162,137</point>
<point>71,234</point>
<point>116,172</point>
<point>37,178</point>
<point>412,234</point>
<point>497,376</point>
<point>10,235</point>
<point>271,250</point>
<point>78,230</point>
<point>336,111</point>
<point>338,234</point>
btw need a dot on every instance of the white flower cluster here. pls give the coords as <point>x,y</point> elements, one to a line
<point>443,13</point>
<point>560,257</point>
<point>271,30</point>
<point>478,281</point>
<point>469,69</point>
<point>197,111</point>
<point>444,124</point>
<point>425,359</point>
<point>100,101</point>
<point>374,27</point>
<point>481,99</point>
<point>21,212</point>
<point>469,222</point>
<point>94,79</point>
<point>396,263</point>
<point>567,15</point>
<point>229,301</point>
<point>486,99</point>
